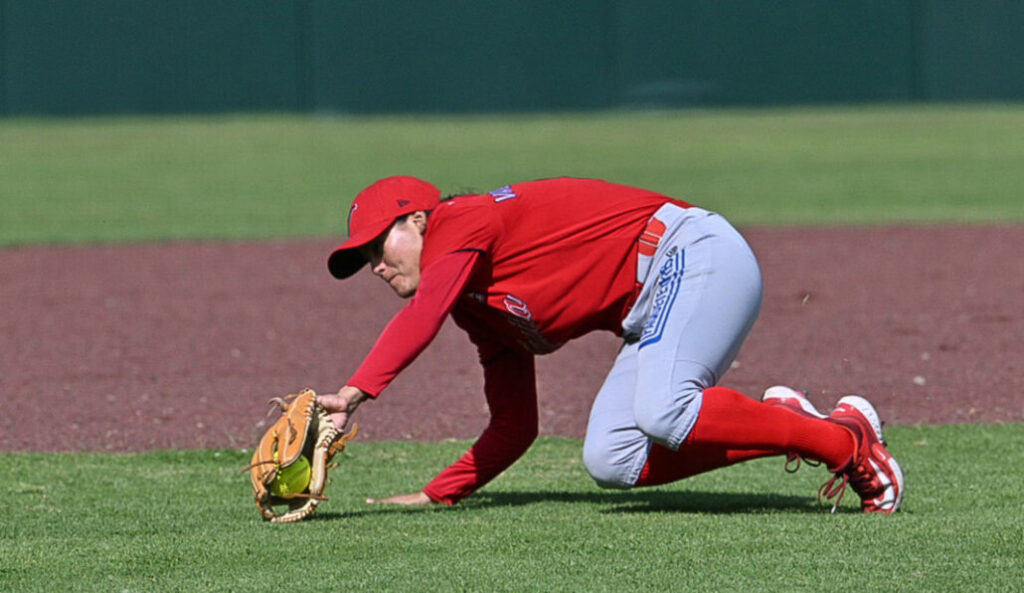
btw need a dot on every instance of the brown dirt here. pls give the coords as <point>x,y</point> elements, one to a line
<point>180,345</point>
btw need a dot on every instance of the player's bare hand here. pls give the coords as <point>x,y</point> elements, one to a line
<point>414,499</point>
<point>340,406</point>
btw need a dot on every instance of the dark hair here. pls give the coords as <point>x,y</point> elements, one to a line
<point>463,192</point>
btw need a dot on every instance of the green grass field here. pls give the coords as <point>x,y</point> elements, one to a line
<point>184,520</point>
<point>272,176</point>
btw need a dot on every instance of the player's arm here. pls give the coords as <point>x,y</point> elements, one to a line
<point>416,325</point>
<point>407,335</point>
<point>511,391</point>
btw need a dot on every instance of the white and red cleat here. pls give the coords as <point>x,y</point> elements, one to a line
<point>791,398</point>
<point>871,471</point>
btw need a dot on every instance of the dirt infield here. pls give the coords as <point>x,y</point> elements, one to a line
<point>180,345</point>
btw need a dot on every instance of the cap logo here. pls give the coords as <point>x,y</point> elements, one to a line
<point>352,211</point>
<point>402,203</point>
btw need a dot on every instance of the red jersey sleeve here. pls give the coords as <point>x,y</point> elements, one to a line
<point>416,325</point>
<point>510,387</point>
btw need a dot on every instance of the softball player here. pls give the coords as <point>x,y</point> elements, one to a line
<point>529,266</point>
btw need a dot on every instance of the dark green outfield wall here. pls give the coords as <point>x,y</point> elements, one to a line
<point>171,56</point>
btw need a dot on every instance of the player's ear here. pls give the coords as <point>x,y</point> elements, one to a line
<point>419,219</point>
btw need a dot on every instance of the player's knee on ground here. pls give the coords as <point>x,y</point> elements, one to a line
<point>668,423</point>
<point>603,467</point>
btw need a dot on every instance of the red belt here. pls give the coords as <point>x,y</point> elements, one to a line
<point>646,244</point>
<point>649,239</point>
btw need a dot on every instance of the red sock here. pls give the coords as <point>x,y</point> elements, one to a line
<point>732,428</point>
<point>665,465</point>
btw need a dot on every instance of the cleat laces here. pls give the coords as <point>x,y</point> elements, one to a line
<point>793,462</point>
<point>831,489</point>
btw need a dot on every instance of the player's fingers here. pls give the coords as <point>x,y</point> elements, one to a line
<point>331,403</point>
<point>340,419</point>
<point>414,499</point>
<point>337,413</point>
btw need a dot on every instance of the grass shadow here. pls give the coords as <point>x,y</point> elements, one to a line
<point>661,501</point>
<point>644,501</point>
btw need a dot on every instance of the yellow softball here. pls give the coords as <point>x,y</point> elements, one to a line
<point>293,479</point>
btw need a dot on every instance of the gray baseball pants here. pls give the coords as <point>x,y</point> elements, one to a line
<point>701,295</point>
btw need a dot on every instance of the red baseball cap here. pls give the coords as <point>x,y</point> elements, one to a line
<point>373,211</point>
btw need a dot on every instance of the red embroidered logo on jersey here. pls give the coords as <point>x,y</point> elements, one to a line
<point>517,307</point>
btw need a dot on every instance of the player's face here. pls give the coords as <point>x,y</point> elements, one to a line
<point>395,255</point>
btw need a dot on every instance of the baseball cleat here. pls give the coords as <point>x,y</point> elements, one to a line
<point>871,471</point>
<point>787,396</point>
<point>793,400</point>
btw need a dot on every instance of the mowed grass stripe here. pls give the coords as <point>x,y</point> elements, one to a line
<point>142,179</point>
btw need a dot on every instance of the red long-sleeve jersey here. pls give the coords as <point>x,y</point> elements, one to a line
<point>522,269</point>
